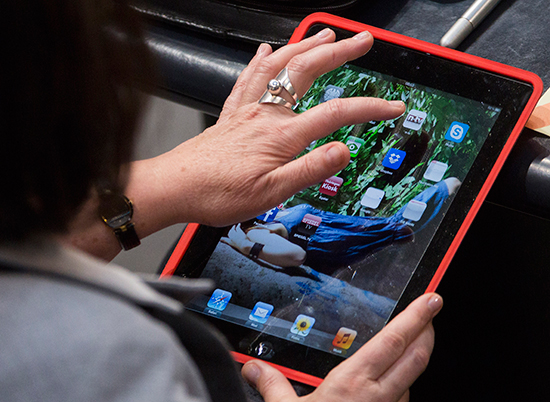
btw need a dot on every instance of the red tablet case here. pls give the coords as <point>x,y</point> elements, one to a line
<point>474,61</point>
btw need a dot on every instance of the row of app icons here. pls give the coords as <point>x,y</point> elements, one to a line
<point>413,121</point>
<point>455,133</point>
<point>302,324</point>
<point>394,159</point>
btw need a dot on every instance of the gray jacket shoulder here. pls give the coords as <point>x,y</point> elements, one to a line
<point>62,342</point>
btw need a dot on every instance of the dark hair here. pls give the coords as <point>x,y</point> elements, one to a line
<point>72,72</point>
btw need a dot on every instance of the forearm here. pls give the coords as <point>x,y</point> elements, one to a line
<point>153,210</point>
<point>237,169</point>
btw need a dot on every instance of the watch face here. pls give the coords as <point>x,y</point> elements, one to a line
<point>116,210</point>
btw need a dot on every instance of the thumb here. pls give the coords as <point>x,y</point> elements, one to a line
<point>313,167</point>
<point>269,381</point>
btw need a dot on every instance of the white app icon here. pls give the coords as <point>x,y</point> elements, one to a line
<point>414,210</point>
<point>415,119</point>
<point>372,197</point>
<point>435,171</point>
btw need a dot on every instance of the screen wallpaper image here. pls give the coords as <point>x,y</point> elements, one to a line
<point>326,267</point>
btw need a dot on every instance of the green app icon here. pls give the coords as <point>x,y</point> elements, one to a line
<point>354,144</point>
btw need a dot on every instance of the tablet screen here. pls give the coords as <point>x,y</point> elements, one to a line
<point>363,230</point>
<point>315,278</point>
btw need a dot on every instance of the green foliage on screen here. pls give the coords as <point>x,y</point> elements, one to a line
<point>366,170</point>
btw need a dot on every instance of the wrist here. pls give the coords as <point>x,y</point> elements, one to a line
<point>116,211</point>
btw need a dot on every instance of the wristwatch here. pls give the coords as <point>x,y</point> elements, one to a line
<point>116,210</point>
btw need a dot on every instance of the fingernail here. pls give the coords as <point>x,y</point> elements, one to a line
<point>362,35</point>
<point>397,103</point>
<point>324,33</point>
<point>435,303</point>
<point>262,49</point>
<point>251,373</point>
<point>335,156</point>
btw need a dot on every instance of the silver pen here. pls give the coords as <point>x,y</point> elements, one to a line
<point>466,24</point>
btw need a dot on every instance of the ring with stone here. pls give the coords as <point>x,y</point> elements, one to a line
<point>280,91</point>
<point>284,81</point>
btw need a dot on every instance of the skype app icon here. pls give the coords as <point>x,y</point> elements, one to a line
<point>457,131</point>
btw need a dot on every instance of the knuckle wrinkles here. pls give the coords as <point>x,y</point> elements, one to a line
<point>421,358</point>
<point>395,341</point>
<point>298,64</point>
<point>240,84</point>
<point>265,66</point>
<point>309,169</point>
<point>250,113</point>
<point>336,109</point>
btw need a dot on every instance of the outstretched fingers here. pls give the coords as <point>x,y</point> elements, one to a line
<point>307,60</point>
<point>272,65</point>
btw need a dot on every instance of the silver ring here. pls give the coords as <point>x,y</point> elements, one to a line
<point>280,91</point>
<point>270,98</point>
<point>284,80</point>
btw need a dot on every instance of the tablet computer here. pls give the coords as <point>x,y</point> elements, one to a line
<point>306,284</point>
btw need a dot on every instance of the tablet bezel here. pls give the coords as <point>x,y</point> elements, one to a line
<point>197,243</point>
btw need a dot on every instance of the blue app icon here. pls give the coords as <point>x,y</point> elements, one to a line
<point>457,131</point>
<point>261,312</point>
<point>219,299</point>
<point>394,158</point>
<point>269,215</point>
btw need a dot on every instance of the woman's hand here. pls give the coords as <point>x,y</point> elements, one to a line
<point>382,370</point>
<point>245,164</point>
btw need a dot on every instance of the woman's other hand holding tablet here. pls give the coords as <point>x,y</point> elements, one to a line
<point>382,370</point>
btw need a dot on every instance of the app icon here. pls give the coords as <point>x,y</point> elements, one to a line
<point>331,92</point>
<point>354,144</point>
<point>305,229</point>
<point>219,299</point>
<point>414,210</point>
<point>269,215</point>
<point>372,197</point>
<point>414,120</point>
<point>331,186</point>
<point>261,312</point>
<point>310,223</point>
<point>394,158</point>
<point>302,325</point>
<point>344,338</point>
<point>435,171</point>
<point>457,131</point>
